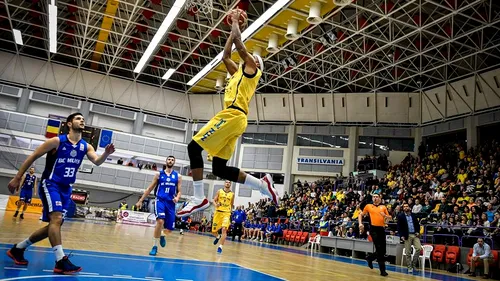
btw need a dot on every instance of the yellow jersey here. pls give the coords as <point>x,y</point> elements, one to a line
<point>241,88</point>
<point>225,199</point>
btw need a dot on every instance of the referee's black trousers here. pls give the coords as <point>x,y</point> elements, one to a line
<point>238,230</point>
<point>378,236</point>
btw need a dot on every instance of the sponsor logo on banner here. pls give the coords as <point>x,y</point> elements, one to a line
<point>321,161</point>
<point>79,197</point>
<point>137,218</point>
<point>35,207</point>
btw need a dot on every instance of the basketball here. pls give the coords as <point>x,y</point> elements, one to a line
<point>242,20</point>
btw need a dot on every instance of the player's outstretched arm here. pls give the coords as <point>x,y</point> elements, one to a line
<point>148,190</point>
<point>231,66</point>
<point>47,146</point>
<point>96,159</point>
<point>250,65</point>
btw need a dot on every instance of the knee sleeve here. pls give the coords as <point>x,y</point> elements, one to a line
<point>194,152</point>
<point>220,169</point>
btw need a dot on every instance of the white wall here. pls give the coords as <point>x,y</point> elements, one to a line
<point>118,124</point>
<point>163,133</point>
<point>44,109</point>
<point>8,103</point>
<point>303,178</point>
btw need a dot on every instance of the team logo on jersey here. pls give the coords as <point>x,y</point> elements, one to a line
<point>168,179</point>
<point>173,176</point>
<point>82,147</point>
<point>73,153</point>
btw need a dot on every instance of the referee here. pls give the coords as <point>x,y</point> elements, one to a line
<point>378,214</point>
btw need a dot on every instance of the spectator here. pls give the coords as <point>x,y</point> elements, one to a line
<point>481,252</point>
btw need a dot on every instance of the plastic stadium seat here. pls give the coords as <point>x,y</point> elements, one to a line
<point>452,254</point>
<point>292,237</point>
<point>323,233</point>
<point>287,236</point>
<point>282,238</point>
<point>439,253</point>
<point>297,237</point>
<point>303,238</point>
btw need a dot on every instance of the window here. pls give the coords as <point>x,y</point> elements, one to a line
<point>379,146</point>
<point>265,138</point>
<point>323,141</point>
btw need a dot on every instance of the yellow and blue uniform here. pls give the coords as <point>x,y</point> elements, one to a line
<point>27,189</point>
<point>222,216</point>
<point>165,192</point>
<point>218,137</point>
<point>59,175</point>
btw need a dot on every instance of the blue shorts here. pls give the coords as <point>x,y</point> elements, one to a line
<point>55,198</point>
<point>165,210</point>
<point>25,195</point>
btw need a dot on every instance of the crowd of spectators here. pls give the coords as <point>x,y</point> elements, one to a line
<point>453,191</point>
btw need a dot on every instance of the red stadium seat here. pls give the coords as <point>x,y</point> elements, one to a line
<point>439,253</point>
<point>297,237</point>
<point>493,262</point>
<point>303,238</point>
<point>323,233</point>
<point>282,238</point>
<point>288,235</point>
<point>452,254</point>
<point>292,237</point>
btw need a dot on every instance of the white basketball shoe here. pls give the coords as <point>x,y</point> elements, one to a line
<point>267,188</point>
<point>193,206</point>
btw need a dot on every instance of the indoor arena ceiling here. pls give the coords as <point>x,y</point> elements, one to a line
<point>369,45</point>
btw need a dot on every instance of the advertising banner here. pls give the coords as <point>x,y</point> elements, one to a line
<point>79,197</point>
<point>35,207</point>
<point>136,218</point>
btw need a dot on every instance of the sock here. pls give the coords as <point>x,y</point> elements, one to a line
<point>156,241</point>
<point>25,244</point>
<point>58,250</point>
<point>219,236</point>
<point>198,189</point>
<point>220,246</point>
<point>253,182</point>
<point>162,234</point>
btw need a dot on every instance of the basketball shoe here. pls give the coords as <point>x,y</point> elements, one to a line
<point>17,255</point>
<point>194,205</point>
<point>64,266</point>
<point>267,188</point>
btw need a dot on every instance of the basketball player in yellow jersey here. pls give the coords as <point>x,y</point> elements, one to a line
<point>224,203</point>
<point>219,136</point>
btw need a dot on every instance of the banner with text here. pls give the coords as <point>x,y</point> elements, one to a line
<point>137,218</point>
<point>320,161</point>
<point>35,207</point>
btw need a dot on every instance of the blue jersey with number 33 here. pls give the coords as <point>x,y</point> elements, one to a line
<point>167,186</point>
<point>62,166</point>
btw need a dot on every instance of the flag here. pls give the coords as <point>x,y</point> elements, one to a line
<point>52,128</point>
<point>106,136</point>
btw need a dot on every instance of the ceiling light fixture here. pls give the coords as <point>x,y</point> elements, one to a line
<point>165,25</point>
<point>17,36</point>
<point>244,36</point>
<point>53,27</point>
<point>169,73</point>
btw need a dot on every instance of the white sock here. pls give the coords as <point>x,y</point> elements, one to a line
<point>25,244</point>
<point>58,250</point>
<point>156,241</point>
<point>199,193</point>
<point>220,246</point>
<point>253,182</point>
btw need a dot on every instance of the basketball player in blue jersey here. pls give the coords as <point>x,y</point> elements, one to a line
<point>220,135</point>
<point>29,181</point>
<point>64,157</point>
<point>167,189</point>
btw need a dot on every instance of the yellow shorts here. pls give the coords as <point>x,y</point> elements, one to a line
<point>219,136</point>
<point>221,219</point>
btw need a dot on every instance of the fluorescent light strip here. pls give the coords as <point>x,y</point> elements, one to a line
<point>168,74</point>
<point>165,25</point>
<point>53,28</point>
<point>244,36</point>
<point>17,36</point>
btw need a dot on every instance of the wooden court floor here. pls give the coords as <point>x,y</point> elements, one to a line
<point>137,240</point>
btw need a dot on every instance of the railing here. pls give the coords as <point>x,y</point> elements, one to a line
<point>460,238</point>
